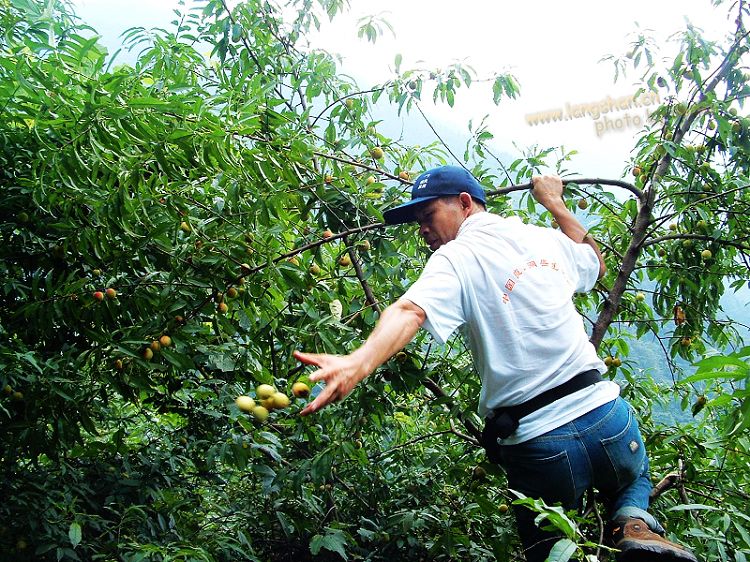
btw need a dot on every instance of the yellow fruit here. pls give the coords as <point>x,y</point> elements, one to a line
<point>118,364</point>
<point>260,413</point>
<point>265,391</point>
<point>232,292</point>
<point>327,233</point>
<point>640,296</point>
<point>293,260</point>
<point>370,180</point>
<point>404,175</point>
<point>223,308</point>
<point>377,153</point>
<point>706,254</point>
<point>96,272</point>
<point>185,227</point>
<point>111,293</point>
<point>328,178</point>
<point>685,342</point>
<point>637,171</point>
<point>300,390</point>
<point>267,403</point>
<point>8,389</point>
<point>155,345</point>
<point>280,400</point>
<point>345,260</point>
<point>583,204</point>
<point>608,361</point>
<point>673,227</point>
<point>401,356</point>
<point>502,508</point>
<point>246,269</point>
<point>147,354</point>
<point>245,403</point>
<point>364,245</point>
<point>616,361</point>
<point>165,341</point>
<point>315,269</point>
<point>18,395</point>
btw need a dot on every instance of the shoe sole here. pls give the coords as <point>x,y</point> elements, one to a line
<point>651,551</point>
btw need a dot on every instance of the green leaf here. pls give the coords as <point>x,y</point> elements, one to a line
<point>562,551</point>
<point>75,533</point>
<point>334,540</point>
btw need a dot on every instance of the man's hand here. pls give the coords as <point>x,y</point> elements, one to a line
<point>339,372</point>
<point>548,190</point>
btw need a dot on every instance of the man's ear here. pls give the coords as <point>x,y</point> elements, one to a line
<point>466,201</point>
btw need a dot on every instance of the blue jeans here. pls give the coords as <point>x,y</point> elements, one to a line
<point>601,449</point>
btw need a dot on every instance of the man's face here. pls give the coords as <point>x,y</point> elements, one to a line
<point>439,220</point>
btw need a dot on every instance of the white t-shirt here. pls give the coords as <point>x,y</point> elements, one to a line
<point>509,287</point>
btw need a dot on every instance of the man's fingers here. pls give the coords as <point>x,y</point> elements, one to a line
<point>324,398</point>
<point>308,358</point>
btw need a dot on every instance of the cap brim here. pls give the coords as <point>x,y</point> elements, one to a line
<point>406,212</point>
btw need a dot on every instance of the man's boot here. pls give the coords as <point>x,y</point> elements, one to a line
<point>637,543</point>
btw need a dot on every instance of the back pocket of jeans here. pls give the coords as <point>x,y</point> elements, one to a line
<point>550,477</point>
<point>626,452</point>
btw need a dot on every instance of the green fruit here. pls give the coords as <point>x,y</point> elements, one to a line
<point>280,400</point>
<point>706,254</point>
<point>265,391</point>
<point>260,413</point>
<point>377,153</point>
<point>245,403</point>
<point>315,269</point>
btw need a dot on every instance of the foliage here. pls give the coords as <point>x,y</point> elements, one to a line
<point>199,187</point>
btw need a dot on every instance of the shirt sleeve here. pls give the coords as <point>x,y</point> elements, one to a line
<point>583,263</point>
<point>438,292</point>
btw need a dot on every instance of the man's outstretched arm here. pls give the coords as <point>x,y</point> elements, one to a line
<point>397,326</point>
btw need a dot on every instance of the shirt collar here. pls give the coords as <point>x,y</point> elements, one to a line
<point>477,220</point>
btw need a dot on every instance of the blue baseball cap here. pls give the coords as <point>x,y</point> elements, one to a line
<point>434,183</point>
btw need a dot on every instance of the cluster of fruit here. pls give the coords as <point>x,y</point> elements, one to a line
<point>269,399</point>
<point>156,346</point>
<point>110,293</point>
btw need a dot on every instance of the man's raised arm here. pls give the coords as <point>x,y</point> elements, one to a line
<point>548,191</point>
<point>397,326</point>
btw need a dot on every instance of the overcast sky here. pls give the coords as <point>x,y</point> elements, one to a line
<point>554,49</point>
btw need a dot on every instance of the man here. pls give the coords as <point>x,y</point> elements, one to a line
<point>552,423</point>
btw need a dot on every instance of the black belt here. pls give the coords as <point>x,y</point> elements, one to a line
<point>502,422</point>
